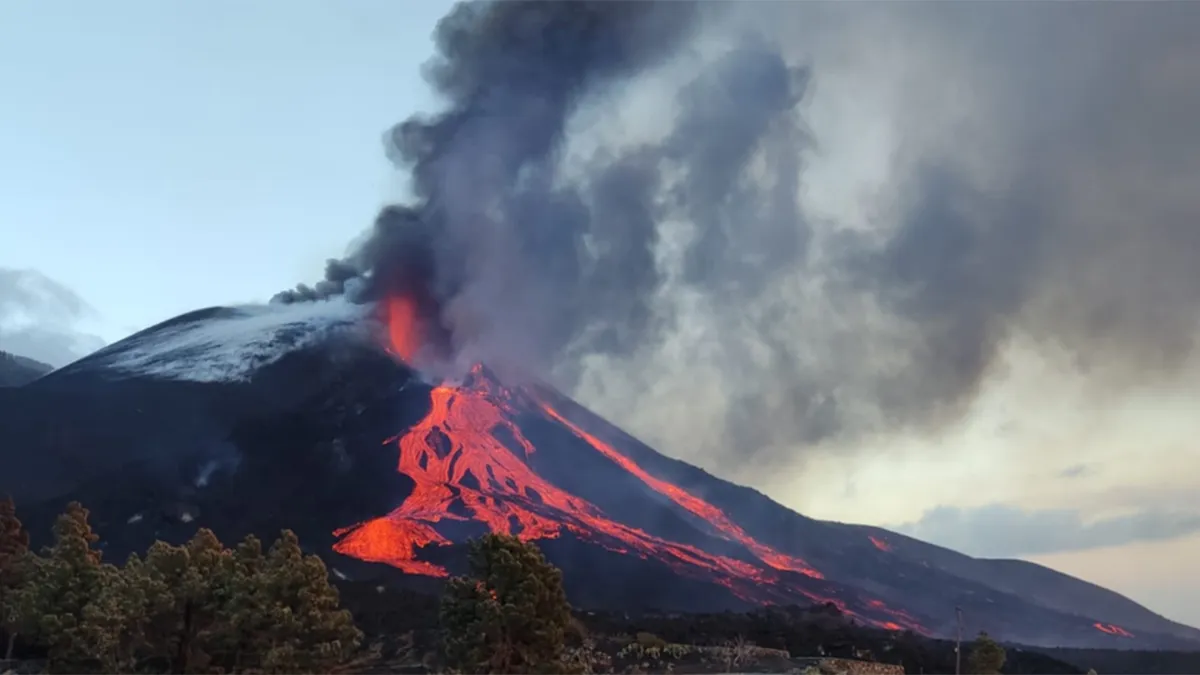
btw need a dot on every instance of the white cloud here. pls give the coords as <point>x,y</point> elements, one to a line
<point>1006,531</point>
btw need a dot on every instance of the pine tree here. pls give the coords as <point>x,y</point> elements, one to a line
<point>237,635</point>
<point>986,657</point>
<point>196,608</point>
<point>181,587</point>
<point>302,628</point>
<point>72,603</point>
<point>14,550</point>
<point>212,608</point>
<point>510,615</point>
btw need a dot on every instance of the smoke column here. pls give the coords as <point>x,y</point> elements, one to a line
<point>745,229</point>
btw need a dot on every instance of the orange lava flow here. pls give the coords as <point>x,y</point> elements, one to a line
<point>705,511</point>
<point>880,544</point>
<point>463,472</point>
<point>458,464</point>
<point>1112,629</point>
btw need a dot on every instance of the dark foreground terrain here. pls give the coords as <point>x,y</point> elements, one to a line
<point>402,627</point>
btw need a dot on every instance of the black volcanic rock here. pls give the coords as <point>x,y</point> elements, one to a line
<point>255,420</point>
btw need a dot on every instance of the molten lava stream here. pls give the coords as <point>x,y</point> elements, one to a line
<point>700,508</point>
<point>458,465</point>
<point>453,450</point>
<point>1112,629</point>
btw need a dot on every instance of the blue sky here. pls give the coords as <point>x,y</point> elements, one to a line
<point>153,153</point>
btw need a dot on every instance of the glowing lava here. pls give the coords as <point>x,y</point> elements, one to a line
<point>404,328</point>
<point>1112,629</point>
<point>463,472</point>
<point>880,544</point>
<point>723,526</point>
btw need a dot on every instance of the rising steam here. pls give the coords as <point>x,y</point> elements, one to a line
<point>752,227</point>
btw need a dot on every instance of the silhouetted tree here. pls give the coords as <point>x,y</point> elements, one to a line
<point>14,551</point>
<point>986,657</point>
<point>510,615</point>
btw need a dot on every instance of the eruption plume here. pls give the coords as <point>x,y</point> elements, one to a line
<point>743,228</point>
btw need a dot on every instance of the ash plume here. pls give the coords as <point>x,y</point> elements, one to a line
<point>744,229</point>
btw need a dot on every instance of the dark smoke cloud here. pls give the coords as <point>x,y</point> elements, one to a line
<point>1036,187</point>
<point>493,243</point>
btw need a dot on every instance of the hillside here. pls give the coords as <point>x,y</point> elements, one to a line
<point>17,370</point>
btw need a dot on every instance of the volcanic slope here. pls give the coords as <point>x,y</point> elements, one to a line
<point>254,419</point>
<point>17,370</point>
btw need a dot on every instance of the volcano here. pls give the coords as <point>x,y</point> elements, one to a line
<point>253,419</point>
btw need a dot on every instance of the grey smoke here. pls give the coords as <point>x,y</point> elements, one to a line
<point>677,275</point>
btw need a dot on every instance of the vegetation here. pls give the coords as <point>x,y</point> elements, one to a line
<point>200,607</point>
<point>986,656</point>
<point>510,615</point>
<point>14,547</point>
<point>182,609</point>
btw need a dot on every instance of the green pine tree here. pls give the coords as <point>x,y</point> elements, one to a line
<point>986,657</point>
<point>196,608</point>
<point>243,618</point>
<point>181,587</point>
<point>212,608</point>
<point>14,551</point>
<point>286,610</point>
<point>72,603</point>
<point>510,615</point>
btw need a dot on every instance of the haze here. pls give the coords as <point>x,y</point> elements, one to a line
<point>159,158</point>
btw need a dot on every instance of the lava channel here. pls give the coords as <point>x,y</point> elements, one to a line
<point>462,472</point>
<point>1112,629</point>
<point>459,466</point>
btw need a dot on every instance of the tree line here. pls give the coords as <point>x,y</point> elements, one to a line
<point>201,607</point>
<point>204,608</point>
<point>195,608</point>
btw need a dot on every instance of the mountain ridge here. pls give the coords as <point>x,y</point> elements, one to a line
<point>17,370</point>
